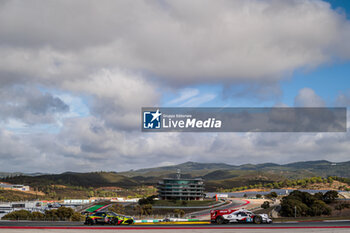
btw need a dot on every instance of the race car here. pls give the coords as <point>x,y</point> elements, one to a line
<point>237,216</point>
<point>107,218</point>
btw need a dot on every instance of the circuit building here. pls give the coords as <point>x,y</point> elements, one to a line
<point>181,189</point>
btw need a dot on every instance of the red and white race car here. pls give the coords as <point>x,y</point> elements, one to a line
<point>238,216</point>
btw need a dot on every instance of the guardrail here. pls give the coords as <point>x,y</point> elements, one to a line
<point>166,220</point>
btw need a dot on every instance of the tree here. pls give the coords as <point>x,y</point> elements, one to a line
<point>91,193</point>
<point>330,180</point>
<point>276,185</point>
<point>65,213</point>
<point>288,206</point>
<point>265,205</point>
<point>117,208</point>
<point>271,195</point>
<point>18,215</point>
<point>147,200</point>
<point>330,196</point>
<point>76,217</point>
<point>37,216</point>
<point>304,204</point>
<point>319,208</point>
<point>318,196</point>
<point>144,209</point>
<point>51,215</point>
<point>138,210</point>
<point>147,209</point>
<point>179,213</point>
<point>319,179</point>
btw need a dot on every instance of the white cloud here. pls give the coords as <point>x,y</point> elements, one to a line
<point>117,96</point>
<point>119,54</point>
<point>191,97</point>
<point>77,106</point>
<point>184,95</point>
<point>86,144</point>
<point>308,98</point>
<point>176,41</point>
<point>29,105</point>
<point>343,99</point>
<point>199,100</point>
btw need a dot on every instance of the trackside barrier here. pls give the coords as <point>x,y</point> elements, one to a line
<point>162,220</point>
<point>148,220</point>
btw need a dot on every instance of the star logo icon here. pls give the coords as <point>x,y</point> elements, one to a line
<point>152,119</point>
<point>156,115</point>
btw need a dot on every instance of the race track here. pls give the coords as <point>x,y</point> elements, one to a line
<point>232,205</point>
<point>80,225</point>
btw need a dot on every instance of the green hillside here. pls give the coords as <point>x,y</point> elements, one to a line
<point>216,175</point>
<point>12,195</point>
<point>220,175</point>
<point>220,170</point>
<point>192,168</point>
<point>92,179</point>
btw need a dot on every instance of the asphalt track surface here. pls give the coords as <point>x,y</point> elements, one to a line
<point>234,204</point>
<point>345,224</point>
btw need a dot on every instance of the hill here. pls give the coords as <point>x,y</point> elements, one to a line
<point>92,179</point>
<point>12,195</point>
<point>221,175</point>
<point>291,170</point>
<point>216,175</point>
<point>193,168</point>
<point>11,174</point>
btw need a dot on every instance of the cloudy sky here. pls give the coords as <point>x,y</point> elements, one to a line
<point>75,74</point>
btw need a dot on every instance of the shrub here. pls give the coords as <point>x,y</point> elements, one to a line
<point>117,208</point>
<point>62,213</point>
<point>271,195</point>
<point>37,216</point>
<point>65,213</point>
<point>319,208</point>
<point>330,196</point>
<point>288,208</point>
<point>179,213</point>
<point>265,205</point>
<point>342,206</point>
<point>147,209</point>
<point>76,217</point>
<point>147,200</point>
<point>18,215</point>
<point>305,204</point>
<point>144,209</point>
<point>51,215</point>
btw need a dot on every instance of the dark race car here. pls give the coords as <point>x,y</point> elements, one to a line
<point>107,218</point>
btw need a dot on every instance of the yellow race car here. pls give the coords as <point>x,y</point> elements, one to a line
<point>108,217</point>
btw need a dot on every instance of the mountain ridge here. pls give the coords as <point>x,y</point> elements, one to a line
<point>216,175</point>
